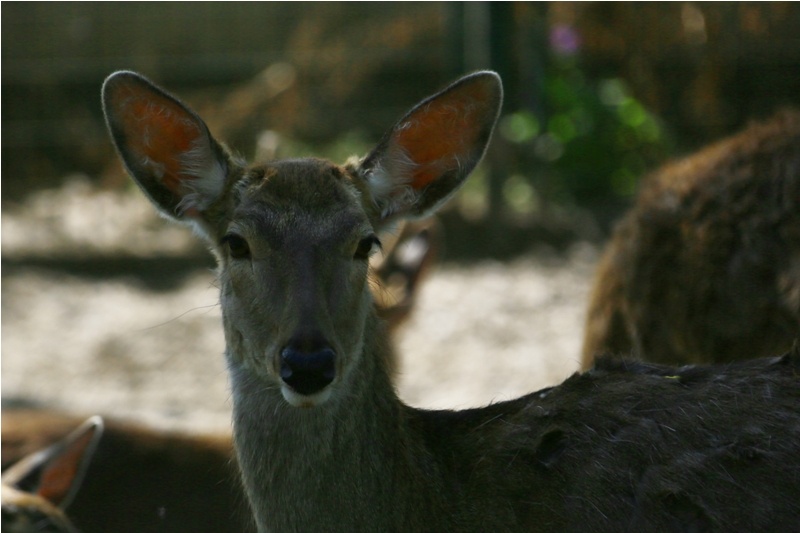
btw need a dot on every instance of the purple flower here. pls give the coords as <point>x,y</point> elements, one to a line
<point>564,39</point>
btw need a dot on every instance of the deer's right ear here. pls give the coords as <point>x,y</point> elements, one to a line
<point>165,146</point>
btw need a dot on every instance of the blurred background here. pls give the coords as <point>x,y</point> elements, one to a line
<point>106,307</point>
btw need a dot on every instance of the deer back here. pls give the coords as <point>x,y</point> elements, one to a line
<point>706,266</point>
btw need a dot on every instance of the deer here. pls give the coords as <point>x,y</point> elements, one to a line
<point>140,478</point>
<point>322,439</point>
<point>705,267</point>
<point>398,272</point>
<point>38,487</point>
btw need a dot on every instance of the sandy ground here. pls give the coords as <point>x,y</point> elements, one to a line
<point>117,346</point>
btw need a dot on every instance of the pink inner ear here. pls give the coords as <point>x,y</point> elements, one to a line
<point>445,131</point>
<point>59,475</point>
<point>159,133</point>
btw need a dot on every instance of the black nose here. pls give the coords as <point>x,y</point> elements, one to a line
<point>307,368</point>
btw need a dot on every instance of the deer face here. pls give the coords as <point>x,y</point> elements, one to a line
<point>293,276</point>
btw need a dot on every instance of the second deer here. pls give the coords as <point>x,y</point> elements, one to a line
<point>706,265</point>
<point>323,441</point>
<point>141,479</point>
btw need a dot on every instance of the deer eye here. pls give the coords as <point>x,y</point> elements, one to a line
<point>237,246</point>
<point>366,246</point>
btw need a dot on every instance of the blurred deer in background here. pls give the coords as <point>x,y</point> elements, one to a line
<point>38,487</point>
<point>400,269</point>
<point>706,266</point>
<point>323,441</point>
<point>142,479</point>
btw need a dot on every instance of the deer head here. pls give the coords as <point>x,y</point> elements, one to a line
<point>293,237</point>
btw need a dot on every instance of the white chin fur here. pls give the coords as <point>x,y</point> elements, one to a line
<point>302,400</point>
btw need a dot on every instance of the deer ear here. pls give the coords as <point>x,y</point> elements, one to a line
<point>428,153</point>
<point>165,146</point>
<point>56,472</point>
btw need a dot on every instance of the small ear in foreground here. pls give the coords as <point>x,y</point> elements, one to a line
<point>165,146</point>
<point>56,473</point>
<point>428,153</point>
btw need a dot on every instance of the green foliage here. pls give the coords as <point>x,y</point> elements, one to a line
<point>595,142</point>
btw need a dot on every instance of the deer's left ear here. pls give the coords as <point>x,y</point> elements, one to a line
<point>428,153</point>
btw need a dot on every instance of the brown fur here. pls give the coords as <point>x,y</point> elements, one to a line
<point>706,266</point>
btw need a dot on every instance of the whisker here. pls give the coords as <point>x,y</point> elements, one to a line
<point>207,309</point>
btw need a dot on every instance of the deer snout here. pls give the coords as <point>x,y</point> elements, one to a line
<point>307,366</point>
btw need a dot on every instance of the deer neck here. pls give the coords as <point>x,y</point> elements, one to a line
<point>330,467</point>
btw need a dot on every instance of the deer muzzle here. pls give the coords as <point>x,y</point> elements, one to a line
<point>307,372</point>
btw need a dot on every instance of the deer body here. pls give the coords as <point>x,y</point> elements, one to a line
<point>324,443</point>
<point>706,265</point>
